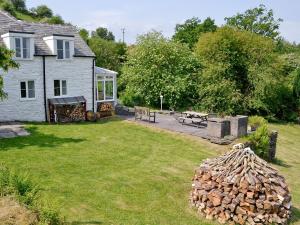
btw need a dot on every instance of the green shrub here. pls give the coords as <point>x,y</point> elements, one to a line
<point>259,141</point>
<point>8,7</point>
<point>256,121</point>
<point>131,99</point>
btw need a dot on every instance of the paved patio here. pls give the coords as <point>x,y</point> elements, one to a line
<point>11,130</point>
<point>169,122</point>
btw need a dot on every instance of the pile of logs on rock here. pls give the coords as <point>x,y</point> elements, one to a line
<point>241,188</point>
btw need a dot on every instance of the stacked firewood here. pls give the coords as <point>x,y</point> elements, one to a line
<point>70,113</point>
<point>78,113</point>
<point>241,188</point>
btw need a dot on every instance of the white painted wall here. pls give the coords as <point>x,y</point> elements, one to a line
<point>77,72</point>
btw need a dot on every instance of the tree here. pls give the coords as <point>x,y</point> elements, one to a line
<point>243,74</point>
<point>259,20</point>
<point>19,5</point>
<point>103,33</point>
<point>84,34</point>
<point>57,19</point>
<point>6,63</point>
<point>8,7</point>
<point>42,11</point>
<point>190,31</point>
<point>155,66</point>
<point>108,53</point>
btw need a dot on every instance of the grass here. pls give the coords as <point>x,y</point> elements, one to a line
<point>115,172</point>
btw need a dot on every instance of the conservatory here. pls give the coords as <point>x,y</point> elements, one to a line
<point>106,88</point>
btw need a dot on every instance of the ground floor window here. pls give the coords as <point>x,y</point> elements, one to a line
<point>27,89</point>
<point>60,88</point>
<point>105,88</point>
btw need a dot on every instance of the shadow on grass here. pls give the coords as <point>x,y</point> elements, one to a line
<point>295,215</point>
<point>280,162</point>
<point>37,139</point>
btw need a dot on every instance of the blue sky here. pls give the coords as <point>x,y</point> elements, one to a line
<point>140,16</point>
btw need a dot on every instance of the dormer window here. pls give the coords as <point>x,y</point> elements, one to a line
<point>22,43</point>
<point>22,47</point>
<point>63,49</point>
<point>61,45</point>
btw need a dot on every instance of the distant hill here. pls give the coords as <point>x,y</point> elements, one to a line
<point>41,13</point>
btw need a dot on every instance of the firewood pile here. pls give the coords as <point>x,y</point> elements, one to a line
<point>70,113</point>
<point>240,188</point>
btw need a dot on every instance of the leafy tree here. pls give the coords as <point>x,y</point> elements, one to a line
<point>108,53</point>
<point>57,19</point>
<point>103,33</point>
<point>6,63</point>
<point>42,11</point>
<point>190,31</point>
<point>19,5</point>
<point>157,66</point>
<point>259,20</point>
<point>8,7</point>
<point>243,74</point>
<point>296,86</point>
<point>84,34</point>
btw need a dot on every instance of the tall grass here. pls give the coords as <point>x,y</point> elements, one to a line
<point>27,193</point>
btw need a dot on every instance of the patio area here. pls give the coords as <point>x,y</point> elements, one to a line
<point>12,129</point>
<point>170,122</point>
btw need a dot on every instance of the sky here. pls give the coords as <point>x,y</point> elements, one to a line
<point>141,16</point>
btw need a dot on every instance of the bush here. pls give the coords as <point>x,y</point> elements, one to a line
<point>8,7</point>
<point>21,187</point>
<point>259,141</point>
<point>256,121</point>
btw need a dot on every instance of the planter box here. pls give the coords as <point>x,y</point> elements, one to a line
<point>238,126</point>
<point>218,127</point>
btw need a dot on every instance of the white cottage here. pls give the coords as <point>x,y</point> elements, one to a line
<point>55,63</point>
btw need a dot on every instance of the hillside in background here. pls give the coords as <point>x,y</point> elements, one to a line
<point>41,13</point>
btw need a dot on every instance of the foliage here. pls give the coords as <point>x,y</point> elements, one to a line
<point>19,5</point>
<point>8,7</point>
<point>42,11</point>
<point>256,121</point>
<point>158,66</point>
<point>296,86</point>
<point>259,141</point>
<point>6,63</point>
<point>109,54</point>
<point>190,31</point>
<point>259,20</point>
<point>104,33</point>
<point>21,187</point>
<point>244,74</point>
<point>57,19</point>
<point>84,34</point>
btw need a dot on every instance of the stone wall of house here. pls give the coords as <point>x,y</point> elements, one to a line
<point>77,72</point>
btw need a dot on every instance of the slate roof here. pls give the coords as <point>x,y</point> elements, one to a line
<point>41,30</point>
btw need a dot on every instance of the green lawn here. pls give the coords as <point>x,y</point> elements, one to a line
<point>115,172</point>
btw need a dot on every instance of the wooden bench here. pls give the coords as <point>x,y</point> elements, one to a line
<point>144,113</point>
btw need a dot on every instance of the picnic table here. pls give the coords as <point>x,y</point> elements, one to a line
<point>195,118</point>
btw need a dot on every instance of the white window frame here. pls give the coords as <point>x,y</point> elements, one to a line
<point>22,48</point>
<point>103,78</point>
<point>64,49</point>
<point>60,88</point>
<point>27,90</point>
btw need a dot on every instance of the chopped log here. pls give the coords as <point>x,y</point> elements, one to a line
<point>241,188</point>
